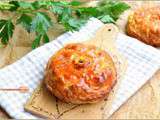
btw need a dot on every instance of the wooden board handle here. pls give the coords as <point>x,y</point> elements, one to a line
<point>105,37</point>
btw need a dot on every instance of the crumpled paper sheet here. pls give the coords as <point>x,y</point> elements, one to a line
<point>145,104</point>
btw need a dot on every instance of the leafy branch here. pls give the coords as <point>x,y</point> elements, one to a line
<point>35,16</point>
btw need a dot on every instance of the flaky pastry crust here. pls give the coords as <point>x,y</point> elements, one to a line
<point>144,24</point>
<point>80,73</point>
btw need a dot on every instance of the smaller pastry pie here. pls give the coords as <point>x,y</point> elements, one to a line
<point>144,24</point>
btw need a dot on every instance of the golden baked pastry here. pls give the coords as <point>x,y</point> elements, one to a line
<point>144,24</point>
<point>80,73</point>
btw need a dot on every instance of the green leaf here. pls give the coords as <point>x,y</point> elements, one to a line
<point>15,5</point>
<point>2,22</point>
<point>87,12</point>
<point>67,12</point>
<point>41,23</point>
<point>6,30</point>
<point>36,41</point>
<point>25,5</point>
<point>65,16</point>
<point>118,8</point>
<point>36,5</point>
<point>106,19</point>
<point>75,23</point>
<point>5,6</point>
<point>60,8</point>
<point>43,3</point>
<point>45,38</point>
<point>29,5</point>
<point>60,3</point>
<point>57,10</point>
<point>64,3</point>
<point>25,20</point>
<point>113,8</point>
<point>75,3</point>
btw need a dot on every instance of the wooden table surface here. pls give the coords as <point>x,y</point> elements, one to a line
<point>3,114</point>
<point>144,104</point>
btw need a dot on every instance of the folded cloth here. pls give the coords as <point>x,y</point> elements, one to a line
<point>143,62</point>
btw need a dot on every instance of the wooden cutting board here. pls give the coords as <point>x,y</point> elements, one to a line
<point>43,104</point>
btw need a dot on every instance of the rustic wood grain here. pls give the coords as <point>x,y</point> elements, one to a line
<point>3,114</point>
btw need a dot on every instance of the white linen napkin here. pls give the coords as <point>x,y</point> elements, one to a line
<point>143,62</point>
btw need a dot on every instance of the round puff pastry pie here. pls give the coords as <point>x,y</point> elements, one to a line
<point>80,73</point>
<point>144,24</point>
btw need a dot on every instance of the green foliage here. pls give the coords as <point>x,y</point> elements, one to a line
<point>14,5</point>
<point>36,41</point>
<point>25,20</point>
<point>45,38</point>
<point>6,30</point>
<point>75,3</point>
<point>72,15</point>
<point>112,8</point>
<point>40,23</point>
<point>106,19</point>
